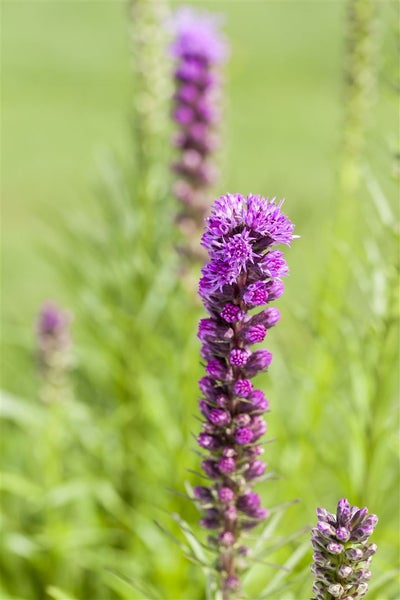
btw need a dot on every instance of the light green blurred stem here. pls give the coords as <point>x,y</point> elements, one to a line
<point>53,452</point>
<point>378,410</point>
<point>55,393</point>
<point>152,91</point>
<point>388,325</point>
<point>360,82</point>
<point>360,72</point>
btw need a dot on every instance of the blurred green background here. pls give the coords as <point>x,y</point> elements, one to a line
<point>67,96</point>
<point>67,92</point>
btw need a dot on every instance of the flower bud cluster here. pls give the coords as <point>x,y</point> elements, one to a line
<point>198,49</point>
<point>342,553</point>
<point>243,273</point>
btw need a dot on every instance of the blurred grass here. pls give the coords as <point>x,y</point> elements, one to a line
<point>67,92</point>
<point>65,80</point>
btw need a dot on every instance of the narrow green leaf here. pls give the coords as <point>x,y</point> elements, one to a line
<point>292,561</point>
<point>58,594</point>
<point>196,546</point>
<point>173,538</point>
<point>124,586</point>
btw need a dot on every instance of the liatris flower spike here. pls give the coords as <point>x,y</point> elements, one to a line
<point>53,347</point>
<point>243,273</point>
<point>198,49</point>
<point>342,553</point>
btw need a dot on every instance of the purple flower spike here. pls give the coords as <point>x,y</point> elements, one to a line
<point>340,567</point>
<point>199,49</point>
<point>242,275</point>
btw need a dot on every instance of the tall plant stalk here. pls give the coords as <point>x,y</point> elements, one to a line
<point>152,90</point>
<point>360,75</point>
<point>360,72</point>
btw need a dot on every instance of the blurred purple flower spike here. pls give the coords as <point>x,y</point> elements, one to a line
<point>199,49</point>
<point>53,350</point>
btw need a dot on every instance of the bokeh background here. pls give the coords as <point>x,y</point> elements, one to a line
<point>68,93</point>
<point>84,483</point>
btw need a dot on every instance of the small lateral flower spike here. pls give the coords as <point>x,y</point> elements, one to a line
<point>53,348</point>
<point>342,553</point>
<point>244,272</point>
<point>198,49</point>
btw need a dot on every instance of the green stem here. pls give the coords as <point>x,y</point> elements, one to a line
<point>152,91</point>
<point>360,80</point>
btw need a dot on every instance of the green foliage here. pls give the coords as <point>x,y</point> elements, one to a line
<point>85,483</point>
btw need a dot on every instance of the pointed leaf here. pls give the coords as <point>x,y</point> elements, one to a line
<point>196,546</point>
